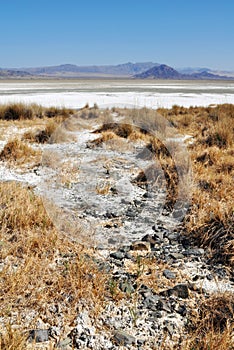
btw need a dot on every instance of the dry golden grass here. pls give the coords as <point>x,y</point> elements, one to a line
<point>103,188</point>
<point>211,216</point>
<point>12,339</point>
<point>18,152</point>
<point>54,131</point>
<point>41,270</point>
<point>211,325</point>
<point>20,111</point>
<point>149,272</point>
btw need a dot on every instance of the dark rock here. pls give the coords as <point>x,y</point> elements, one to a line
<point>117,255</point>
<point>38,335</point>
<point>169,274</point>
<point>155,314</point>
<point>163,306</point>
<point>151,302</point>
<point>194,251</point>
<point>150,239</point>
<point>173,237</point>
<point>178,214</point>
<point>159,235</point>
<point>221,272</point>
<point>123,338</point>
<point>145,291</point>
<point>140,342</point>
<point>118,263</point>
<point>181,310</point>
<point>131,213</point>
<point>128,256</point>
<point>124,249</point>
<point>180,291</point>
<point>210,277</point>
<point>104,267</point>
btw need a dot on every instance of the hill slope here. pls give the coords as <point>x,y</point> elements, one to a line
<point>166,72</point>
<point>126,69</point>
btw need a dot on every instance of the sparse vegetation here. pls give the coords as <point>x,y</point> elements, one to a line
<point>42,270</point>
<point>211,216</point>
<point>18,152</point>
<point>20,111</point>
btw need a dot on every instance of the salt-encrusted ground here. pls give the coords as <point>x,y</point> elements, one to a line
<point>109,93</point>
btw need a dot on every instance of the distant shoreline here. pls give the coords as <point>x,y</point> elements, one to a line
<point>151,93</point>
<point>112,78</point>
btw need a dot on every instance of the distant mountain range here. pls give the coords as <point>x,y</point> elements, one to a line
<point>9,73</point>
<point>165,72</point>
<point>72,71</point>
<point>142,70</point>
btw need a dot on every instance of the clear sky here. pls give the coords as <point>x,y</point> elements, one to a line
<point>179,33</point>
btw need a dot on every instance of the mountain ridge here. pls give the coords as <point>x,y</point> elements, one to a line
<point>127,69</point>
<point>164,71</point>
<point>140,70</point>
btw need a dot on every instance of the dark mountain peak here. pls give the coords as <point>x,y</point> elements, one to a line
<point>166,72</point>
<point>160,72</point>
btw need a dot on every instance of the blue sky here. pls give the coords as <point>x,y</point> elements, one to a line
<point>177,32</point>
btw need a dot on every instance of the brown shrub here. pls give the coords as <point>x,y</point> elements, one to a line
<point>211,326</point>
<point>18,152</point>
<point>16,111</point>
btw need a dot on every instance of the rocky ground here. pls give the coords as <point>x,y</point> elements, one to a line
<point>157,275</point>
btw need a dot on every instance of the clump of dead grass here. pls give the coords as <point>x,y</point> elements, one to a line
<point>53,132</point>
<point>15,111</point>
<point>20,111</point>
<point>18,152</point>
<point>211,325</point>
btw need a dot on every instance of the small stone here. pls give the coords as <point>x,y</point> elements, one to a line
<point>140,342</point>
<point>173,237</point>
<point>180,290</point>
<point>139,245</point>
<point>123,338</point>
<point>39,335</point>
<point>177,256</point>
<point>182,310</point>
<point>159,235</point>
<point>210,277</point>
<point>194,251</point>
<point>151,302</point>
<point>124,249</point>
<point>64,344</point>
<point>163,306</point>
<point>150,239</point>
<point>178,214</point>
<point>117,255</point>
<point>169,274</point>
